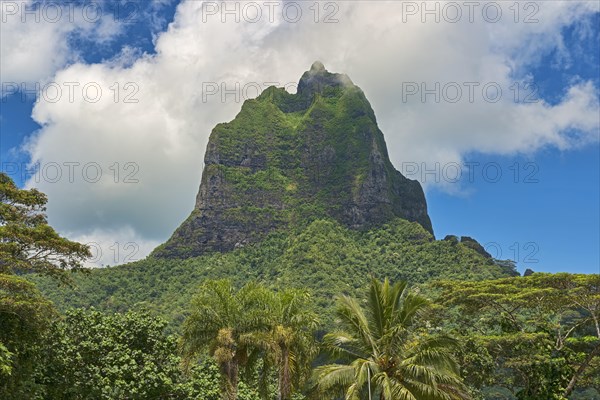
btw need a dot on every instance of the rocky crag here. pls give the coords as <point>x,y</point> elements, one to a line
<point>287,159</point>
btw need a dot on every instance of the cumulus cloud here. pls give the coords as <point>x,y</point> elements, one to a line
<point>35,37</point>
<point>155,112</point>
<point>111,247</point>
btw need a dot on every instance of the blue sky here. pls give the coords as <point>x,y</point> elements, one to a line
<point>137,31</point>
<point>546,218</point>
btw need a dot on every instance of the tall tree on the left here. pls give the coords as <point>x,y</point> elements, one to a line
<point>27,245</point>
<point>27,242</point>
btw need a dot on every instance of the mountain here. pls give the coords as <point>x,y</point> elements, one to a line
<point>287,159</point>
<point>297,191</point>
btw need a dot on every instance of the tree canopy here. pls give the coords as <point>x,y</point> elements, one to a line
<point>27,242</point>
<point>542,330</point>
<point>387,356</point>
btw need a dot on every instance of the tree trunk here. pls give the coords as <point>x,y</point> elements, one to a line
<point>229,373</point>
<point>285,384</point>
<point>580,371</point>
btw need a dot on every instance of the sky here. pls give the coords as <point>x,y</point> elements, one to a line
<point>493,106</point>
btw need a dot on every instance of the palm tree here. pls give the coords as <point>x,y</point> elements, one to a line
<point>227,324</point>
<point>290,346</point>
<point>387,358</point>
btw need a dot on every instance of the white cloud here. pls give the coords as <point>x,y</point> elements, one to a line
<point>35,37</point>
<point>379,47</point>
<point>114,247</point>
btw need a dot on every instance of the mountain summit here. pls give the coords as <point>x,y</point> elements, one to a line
<point>287,159</point>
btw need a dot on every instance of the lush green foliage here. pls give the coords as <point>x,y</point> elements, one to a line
<point>536,336</point>
<point>224,322</point>
<point>289,347</point>
<point>27,242</point>
<point>98,356</point>
<point>388,355</point>
<point>251,328</point>
<point>24,318</point>
<point>325,257</point>
<point>93,355</point>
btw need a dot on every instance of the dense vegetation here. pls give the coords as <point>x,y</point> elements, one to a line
<point>540,333</point>
<point>325,257</point>
<point>296,318</point>
<point>389,354</point>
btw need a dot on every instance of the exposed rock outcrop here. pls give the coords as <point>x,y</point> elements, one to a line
<point>290,158</point>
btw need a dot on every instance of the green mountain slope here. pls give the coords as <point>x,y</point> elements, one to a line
<point>325,256</point>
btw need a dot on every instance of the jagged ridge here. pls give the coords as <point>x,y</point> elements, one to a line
<point>287,159</point>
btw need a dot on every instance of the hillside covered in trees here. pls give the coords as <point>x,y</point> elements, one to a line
<point>324,257</point>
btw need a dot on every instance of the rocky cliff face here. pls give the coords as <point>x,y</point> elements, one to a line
<point>289,158</point>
